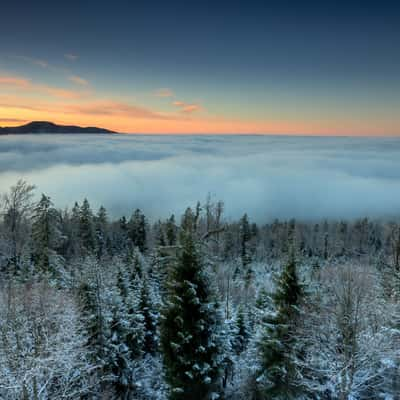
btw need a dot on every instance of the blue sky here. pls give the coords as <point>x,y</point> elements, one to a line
<point>235,67</point>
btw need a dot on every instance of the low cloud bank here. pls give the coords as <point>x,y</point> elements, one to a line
<point>266,176</point>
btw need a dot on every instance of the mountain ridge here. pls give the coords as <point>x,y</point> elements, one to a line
<point>46,127</point>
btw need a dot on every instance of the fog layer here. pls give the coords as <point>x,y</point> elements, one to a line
<point>266,176</point>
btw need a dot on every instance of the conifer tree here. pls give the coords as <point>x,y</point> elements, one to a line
<point>188,224</point>
<point>89,295</point>
<point>159,234</point>
<point>245,236</point>
<point>113,322</point>
<point>171,231</point>
<point>86,228</point>
<point>128,290</point>
<point>147,310</point>
<point>101,223</point>
<point>135,266</point>
<point>190,335</point>
<point>72,231</point>
<point>137,230</point>
<point>278,372</point>
<point>242,334</point>
<point>45,233</point>
<point>119,354</point>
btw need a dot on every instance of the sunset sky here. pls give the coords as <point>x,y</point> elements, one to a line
<point>203,66</point>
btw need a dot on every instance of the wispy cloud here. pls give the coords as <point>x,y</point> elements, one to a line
<point>71,57</point>
<point>88,108</point>
<point>187,107</point>
<point>27,85</point>
<point>184,107</point>
<point>164,92</point>
<point>34,61</point>
<point>78,80</point>
<point>113,108</point>
<point>60,92</point>
<point>12,120</point>
<point>11,80</point>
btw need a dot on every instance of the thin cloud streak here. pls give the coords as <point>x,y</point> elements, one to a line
<point>12,120</point>
<point>78,80</point>
<point>33,61</point>
<point>71,57</point>
<point>186,107</point>
<point>15,81</point>
<point>164,92</point>
<point>27,85</point>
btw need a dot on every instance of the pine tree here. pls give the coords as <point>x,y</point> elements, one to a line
<point>72,231</point>
<point>245,236</point>
<point>188,224</point>
<point>189,334</point>
<point>159,236</point>
<point>135,266</point>
<point>242,334</point>
<point>171,231</point>
<point>137,230</point>
<point>147,310</point>
<point>114,324</point>
<point>128,286</point>
<point>101,223</point>
<point>90,292</point>
<point>119,354</point>
<point>278,372</point>
<point>86,228</point>
<point>45,233</point>
<point>118,236</point>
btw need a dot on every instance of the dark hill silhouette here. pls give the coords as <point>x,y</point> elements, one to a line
<point>49,127</point>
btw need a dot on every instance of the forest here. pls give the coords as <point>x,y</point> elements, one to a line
<point>194,307</point>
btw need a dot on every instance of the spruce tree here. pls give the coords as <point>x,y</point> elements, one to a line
<point>45,233</point>
<point>128,287</point>
<point>242,333</point>
<point>147,310</point>
<point>137,230</point>
<point>125,340</point>
<point>171,230</point>
<point>189,334</point>
<point>86,228</point>
<point>72,231</point>
<point>159,236</point>
<point>278,372</point>
<point>114,324</point>
<point>90,295</point>
<point>101,223</point>
<point>135,266</point>
<point>245,236</point>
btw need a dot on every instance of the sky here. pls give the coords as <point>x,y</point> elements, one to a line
<point>263,67</point>
<point>268,177</point>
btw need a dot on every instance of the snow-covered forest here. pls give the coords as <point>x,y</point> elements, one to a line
<point>195,306</point>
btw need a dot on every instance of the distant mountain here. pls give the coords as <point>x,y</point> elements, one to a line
<point>49,127</point>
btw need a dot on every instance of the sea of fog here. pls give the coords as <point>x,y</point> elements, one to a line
<point>266,176</point>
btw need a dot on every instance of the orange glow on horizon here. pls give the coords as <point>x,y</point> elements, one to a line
<point>129,125</point>
<point>23,101</point>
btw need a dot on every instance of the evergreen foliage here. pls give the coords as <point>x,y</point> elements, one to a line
<point>189,334</point>
<point>45,235</point>
<point>86,228</point>
<point>278,371</point>
<point>137,230</point>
